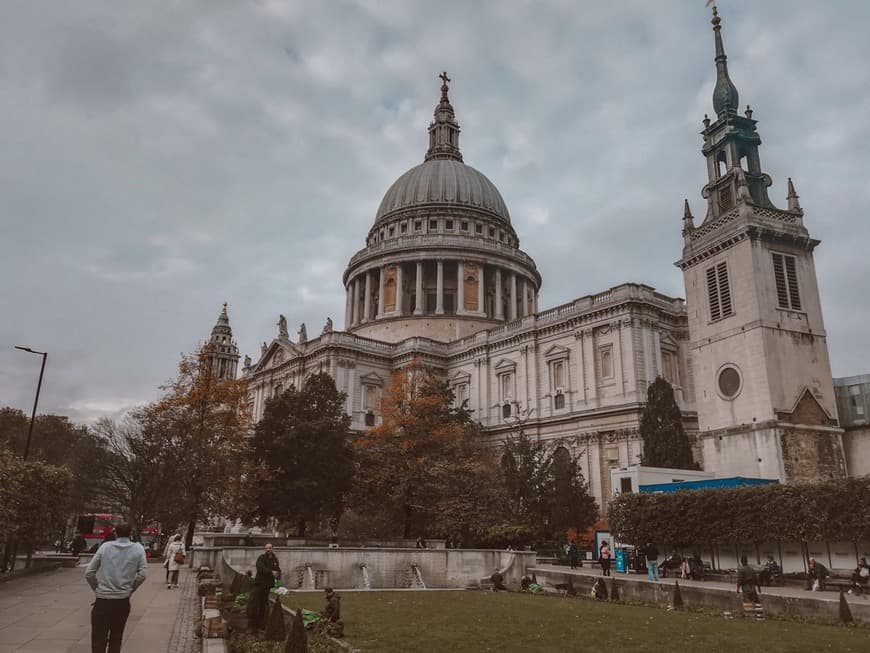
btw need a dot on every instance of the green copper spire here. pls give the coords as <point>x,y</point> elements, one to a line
<point>725,96</point>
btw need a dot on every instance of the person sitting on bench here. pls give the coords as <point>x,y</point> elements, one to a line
<point>816,576</point>
<point>860,577</point>
<point>771,571</point>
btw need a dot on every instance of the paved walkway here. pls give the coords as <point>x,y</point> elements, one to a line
<point>51,613</point>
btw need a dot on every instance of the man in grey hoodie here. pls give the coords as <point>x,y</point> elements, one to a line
<point>116,570</point>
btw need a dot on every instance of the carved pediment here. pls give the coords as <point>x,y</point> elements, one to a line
<point>371,379</point>
<point>277,353</point>
<point>460,377</point>
<point>556,352</point>
<point>807,411</point>
<point>505,365</point>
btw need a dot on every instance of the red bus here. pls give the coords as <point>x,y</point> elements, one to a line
<point>95,527</point>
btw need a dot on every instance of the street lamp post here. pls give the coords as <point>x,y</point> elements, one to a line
<point>36,400</point>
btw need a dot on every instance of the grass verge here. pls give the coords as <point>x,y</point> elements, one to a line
<point>472,621</point>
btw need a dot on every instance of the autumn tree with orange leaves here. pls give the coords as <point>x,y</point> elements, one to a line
<point>423,466</point>
<point>202,423</point>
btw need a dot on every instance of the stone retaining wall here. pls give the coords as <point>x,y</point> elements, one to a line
<point>823,607</point>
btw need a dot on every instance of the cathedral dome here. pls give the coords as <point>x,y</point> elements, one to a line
<point>444,182</point>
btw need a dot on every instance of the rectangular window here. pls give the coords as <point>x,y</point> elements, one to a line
<point>404,227</point>
<point>785,275</point>
<point>418,225</point>
<point>625,485</point>
<point>492,232</point>
<point>558,375</point>
<point>507,388</point>
<point>448,225</point>
<point>392,231</point>
<point>726,200</point>
<point>372,398</point>
<point>463,226</point>
<point>478,229</point>
<point>719,292</point>
<point>433,225</point>
<point>460,394</point>
<point>605,361</point>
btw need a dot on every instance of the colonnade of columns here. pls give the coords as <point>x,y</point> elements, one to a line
<point>445,284</point>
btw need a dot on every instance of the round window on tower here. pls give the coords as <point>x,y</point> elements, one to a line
<point>729,382</point>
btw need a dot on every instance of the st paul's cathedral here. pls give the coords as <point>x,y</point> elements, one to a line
<point>442,279</point>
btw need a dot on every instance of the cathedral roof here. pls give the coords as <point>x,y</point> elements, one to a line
<point>442,178</point>
<point>443,182</point>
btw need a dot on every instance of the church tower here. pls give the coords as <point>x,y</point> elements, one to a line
<point>221,351</point>
<point>758,351</point>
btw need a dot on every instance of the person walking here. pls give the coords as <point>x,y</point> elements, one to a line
<point>116,570</point>
<point>573,554</point>
<point>747,582</point>
<point>268,570</point>
<point>652,565</point>
<point>604,558</point>
<point>173,558</point>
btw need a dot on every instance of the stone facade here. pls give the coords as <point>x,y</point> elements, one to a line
<point>442,280</point>
<point>758,349</point>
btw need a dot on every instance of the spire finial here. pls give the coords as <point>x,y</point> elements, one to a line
<point>444,88</point>
<point>688,218</point>
<point>792,197</point>
<point>725,96</point>
<point>444,130</point>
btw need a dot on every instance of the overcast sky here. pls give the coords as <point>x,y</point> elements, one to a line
<point>161,157</point>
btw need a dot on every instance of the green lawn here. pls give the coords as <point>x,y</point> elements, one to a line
<point>472,621</point>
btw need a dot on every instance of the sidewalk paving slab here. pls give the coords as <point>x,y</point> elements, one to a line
<point>51,613</point>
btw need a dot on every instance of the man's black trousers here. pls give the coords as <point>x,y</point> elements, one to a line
<point>108,619</point>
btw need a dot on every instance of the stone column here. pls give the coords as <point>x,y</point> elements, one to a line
<point>499,309</point>
<point>439,288</point>
<point>513,307</point>
<point>460,287</point>
<point>356,284</point>
<point>348,308</point>
<point>400,279</point>
<point>480,307</point>
<point>367,301</point>
<point>525,297</point>
<point>381,292</point>
<point>418,309</point>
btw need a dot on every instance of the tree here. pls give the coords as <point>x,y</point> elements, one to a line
<point>423,466</point>
<point>665,443</point>
<point>40,505</point>
<point>202,422</point>
<point>303,464</point>
<point>546,492</point>
<point>57,441</point>
<point>142,471</point>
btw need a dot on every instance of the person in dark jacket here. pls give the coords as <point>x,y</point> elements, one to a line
<point>573,554</point>
<point>268,570</point>
<point>497,581</point>
<point>816,575</point>
<point>332,611</point>
<point>747,581</point>
<point>652,564</point>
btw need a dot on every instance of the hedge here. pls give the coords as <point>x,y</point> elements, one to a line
<point>831,511</point>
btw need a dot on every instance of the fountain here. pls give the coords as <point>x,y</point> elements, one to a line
<point>367,583</point>
<point>417,577</point>
<point>310,574</point>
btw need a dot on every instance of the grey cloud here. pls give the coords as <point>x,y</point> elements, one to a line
<point>164,157</point>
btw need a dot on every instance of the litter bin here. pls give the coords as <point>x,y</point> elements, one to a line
<point>620,560</point>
